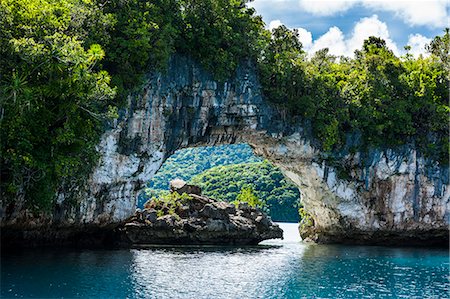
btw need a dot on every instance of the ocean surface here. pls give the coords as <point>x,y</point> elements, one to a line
<point>274,269</point>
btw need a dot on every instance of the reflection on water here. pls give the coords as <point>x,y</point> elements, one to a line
<point>275,269</point>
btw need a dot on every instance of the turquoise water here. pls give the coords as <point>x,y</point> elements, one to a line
<point>276,269</point>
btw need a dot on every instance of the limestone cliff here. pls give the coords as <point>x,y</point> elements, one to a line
<point>181,108</point>
<point>363,197</point>
<point>379,197</point>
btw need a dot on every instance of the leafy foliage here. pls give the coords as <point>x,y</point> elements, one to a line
<point>306,219</point>
<point>440,48</point>
<point>278,196</point>
<point>220,34</point>
<point>167,203</point>
<point>247,195</point>
<point>387,100</point>
<point>186,163</point>
<point>52,97</point>
<point>141,39</point>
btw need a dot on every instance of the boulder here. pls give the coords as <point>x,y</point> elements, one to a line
<point>183,211</point>
<point>166,221</point>
<point>226,207</point>
<point>214,212</point>
<point>244,206</point>
<point>150,215</point>
<point>181,187</point>
<point>201,220</point>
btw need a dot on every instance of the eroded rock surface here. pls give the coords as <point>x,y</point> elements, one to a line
<point>181,187</point>
<point>201,220</point>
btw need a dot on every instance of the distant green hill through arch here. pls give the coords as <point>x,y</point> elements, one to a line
<point>222,172</point>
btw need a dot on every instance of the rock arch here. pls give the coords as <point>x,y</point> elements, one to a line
<point>385,195</point>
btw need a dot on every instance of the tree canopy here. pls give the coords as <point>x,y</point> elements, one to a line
<point>376,98</point>
<point>53,96</point>
<point>186,163</point>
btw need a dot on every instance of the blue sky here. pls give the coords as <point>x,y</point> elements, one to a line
<point>343,25</point>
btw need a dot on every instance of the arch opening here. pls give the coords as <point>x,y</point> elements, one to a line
<point>225,171</point>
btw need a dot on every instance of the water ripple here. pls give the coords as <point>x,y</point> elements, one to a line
<point>276,269</point>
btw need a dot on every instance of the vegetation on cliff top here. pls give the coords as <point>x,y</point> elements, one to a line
<point>66,66</point>
<point>384,99</point>
<point>167,203</point>
<point>54,95</point>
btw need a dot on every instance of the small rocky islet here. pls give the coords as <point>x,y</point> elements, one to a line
<point>190,218</point>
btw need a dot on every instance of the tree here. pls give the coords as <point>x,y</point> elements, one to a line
<point>142,39</point>
<point>440,47</point>
<point>247,195</point>
<point>53,98</point>
<point>281,68</point>
<point>219,34</point>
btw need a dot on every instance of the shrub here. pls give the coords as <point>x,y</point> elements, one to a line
<point>247,195</point>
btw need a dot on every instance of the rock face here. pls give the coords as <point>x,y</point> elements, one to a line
<point>181,187</point>
<point>201,220</point>
<point>394,194</point>
<point>379,197</point>
<point>178,109</point>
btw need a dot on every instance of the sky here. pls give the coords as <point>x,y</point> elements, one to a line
<point>342,25</point>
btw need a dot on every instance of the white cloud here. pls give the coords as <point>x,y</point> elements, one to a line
<point>369,27</point>
<point>338,44</point>
<point>326,7</point>
<point>433,13</point>
<point>305,37</point>
<point>417,43</point>
<point>333,39</point>
<point>274,24</point>
<point>416,12</point>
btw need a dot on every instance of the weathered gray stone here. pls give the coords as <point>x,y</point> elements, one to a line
<point>262,219</point>
<point>150,215</point>
<point>214,224</point>
<point>244,206</point>
<point>183,211</point>
<point>226,207</point>
<point>213,212</point>
<point>181,187</point>
<point>165,222</point>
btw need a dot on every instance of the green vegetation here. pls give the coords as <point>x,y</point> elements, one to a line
<point>278,196</point>
<point>247,195</point>
<point>66,67</point>
<point>53,97</point>
<point>384,99</point>
<point>143,37</point>
<point>167,203</point>
<point>224,172</point>
<point>306,219</point>
<point>186,163</point>
<point>220,34</point>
